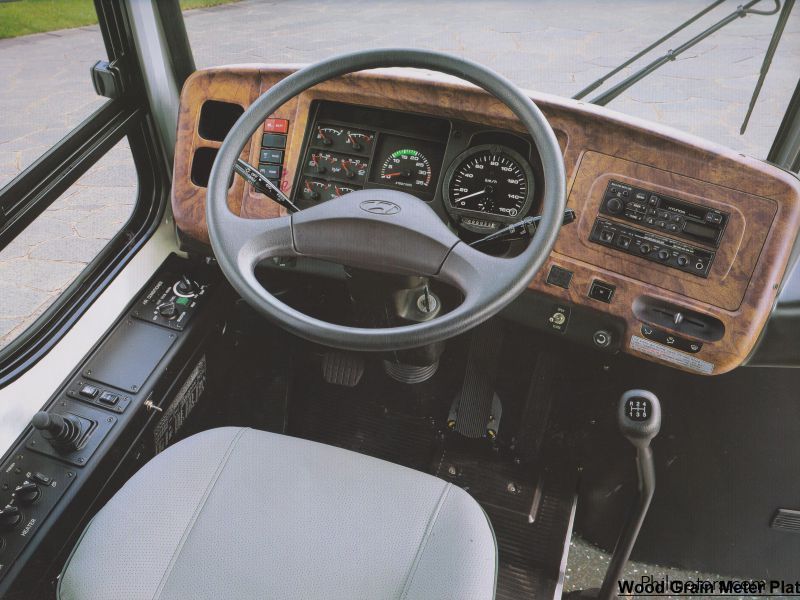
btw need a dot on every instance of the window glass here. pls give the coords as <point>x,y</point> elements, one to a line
<point>45,90</point>
<point>52,251</point>
<point>553,46</point>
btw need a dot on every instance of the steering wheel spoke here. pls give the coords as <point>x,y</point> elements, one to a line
<point>252,241</point>
<point>475,274</point>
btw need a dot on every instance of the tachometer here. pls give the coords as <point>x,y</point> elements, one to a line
<point>491,180</point>
<point>406,168</point>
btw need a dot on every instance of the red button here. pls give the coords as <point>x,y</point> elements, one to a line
<point>276,125</point>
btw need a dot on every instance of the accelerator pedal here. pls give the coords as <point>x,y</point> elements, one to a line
<point>476,410</point>
<point>342,368</point>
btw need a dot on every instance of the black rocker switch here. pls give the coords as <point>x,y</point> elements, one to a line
<point>639,420</point>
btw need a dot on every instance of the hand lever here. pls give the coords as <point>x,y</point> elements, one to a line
<point>521,229</point>
<point>261,184</point>
<point>639,419</point>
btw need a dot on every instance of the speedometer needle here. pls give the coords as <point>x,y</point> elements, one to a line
<point>483,191</point>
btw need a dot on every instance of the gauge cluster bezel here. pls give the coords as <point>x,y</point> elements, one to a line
<point>484,221</point>
<point>450,140</point>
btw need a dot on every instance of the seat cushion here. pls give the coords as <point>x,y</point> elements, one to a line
<point>239,513</point>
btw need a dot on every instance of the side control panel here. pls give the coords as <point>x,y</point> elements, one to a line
<point>30,486</point>
<point>82,431</point>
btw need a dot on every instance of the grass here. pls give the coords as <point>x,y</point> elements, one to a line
<point>24,17</point>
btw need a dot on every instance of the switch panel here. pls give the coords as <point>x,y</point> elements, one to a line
<point>171,300</point>
<point>30,486</point>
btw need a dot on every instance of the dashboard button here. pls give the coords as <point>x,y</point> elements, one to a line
<point>601,291</point>
<point>270,155</point>
<point>559,277</point>
<point>273,140</point>
<point>276,125</point>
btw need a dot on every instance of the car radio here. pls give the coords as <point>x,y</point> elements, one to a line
<point>663,213</point>
<point>653,247</point>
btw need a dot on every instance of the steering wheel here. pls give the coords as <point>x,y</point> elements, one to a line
<point>381,230</point>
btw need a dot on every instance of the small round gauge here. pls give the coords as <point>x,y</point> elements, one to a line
<point>358,140</point>
<point>406,168</point>
<point>320,191</point>
<point>493,181</point>
<point>328,135</point>
<point>353,168</point>
<point>340,190</point>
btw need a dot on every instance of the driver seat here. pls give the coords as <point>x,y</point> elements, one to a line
<point>240,513</point>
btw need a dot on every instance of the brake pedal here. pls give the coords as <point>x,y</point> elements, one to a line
<point>342,368</point>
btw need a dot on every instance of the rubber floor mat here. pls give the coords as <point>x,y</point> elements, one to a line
<point>394,422</point>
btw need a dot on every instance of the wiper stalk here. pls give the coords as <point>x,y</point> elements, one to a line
<point>261,184</point>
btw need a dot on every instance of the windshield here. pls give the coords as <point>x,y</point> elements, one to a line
<point>552,47</point>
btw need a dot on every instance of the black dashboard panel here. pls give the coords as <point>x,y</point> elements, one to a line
<point>348,148</point>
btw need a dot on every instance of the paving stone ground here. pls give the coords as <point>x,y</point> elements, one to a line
<point>554,46</point>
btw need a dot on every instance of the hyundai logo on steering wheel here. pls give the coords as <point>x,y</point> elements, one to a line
<point>380,207</point>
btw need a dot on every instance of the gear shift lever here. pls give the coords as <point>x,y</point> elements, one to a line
<point>639,420</point>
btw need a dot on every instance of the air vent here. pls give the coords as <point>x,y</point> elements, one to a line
<point>201,165</point>
<point>676,318</point>
<point>786,519</point>
<point>217,118</point>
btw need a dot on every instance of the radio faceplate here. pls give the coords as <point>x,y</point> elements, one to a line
<point>653,247</point>
<point>664,213</point>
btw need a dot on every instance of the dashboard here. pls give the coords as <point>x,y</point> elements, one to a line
<point>678,250</point>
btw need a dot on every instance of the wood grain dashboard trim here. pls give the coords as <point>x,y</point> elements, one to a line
<point>598,144</point>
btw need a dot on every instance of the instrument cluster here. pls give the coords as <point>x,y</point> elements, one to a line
<point>482,180</point>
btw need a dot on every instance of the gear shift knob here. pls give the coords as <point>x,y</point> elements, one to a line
<point>639,417</point>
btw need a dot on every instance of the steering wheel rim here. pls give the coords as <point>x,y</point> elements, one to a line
<point>488,283</point>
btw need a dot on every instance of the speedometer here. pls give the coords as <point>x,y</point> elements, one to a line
<point>491,180</point>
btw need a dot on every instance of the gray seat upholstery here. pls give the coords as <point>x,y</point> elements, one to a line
<point>239,513</point>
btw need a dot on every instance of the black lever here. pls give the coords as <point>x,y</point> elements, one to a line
<point>639,420</point>
<point>64,432</point>
<point>261,184</point>
<point>521,229</point>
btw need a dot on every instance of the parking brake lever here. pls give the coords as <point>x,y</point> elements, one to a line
<point>521,229</point>
<point>261,184</point>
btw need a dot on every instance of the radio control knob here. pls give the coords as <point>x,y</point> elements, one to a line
<point>683,260</point>
<point>663,254</point>
<point>644,249</point>
<point>614,205</point>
